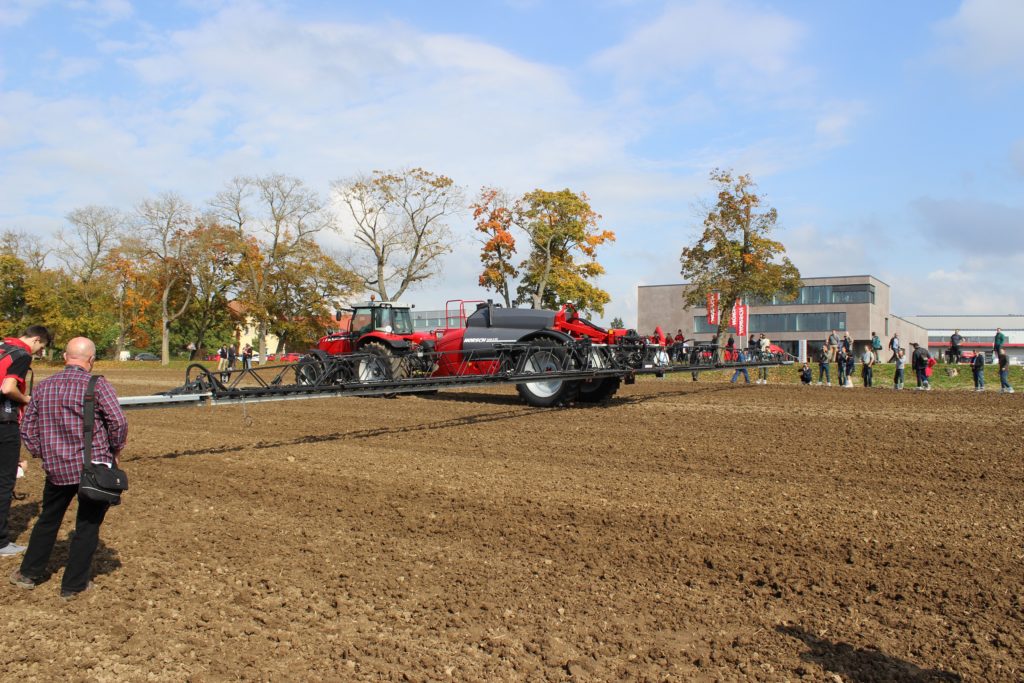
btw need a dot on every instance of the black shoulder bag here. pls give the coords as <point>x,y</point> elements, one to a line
<point>99,483</point>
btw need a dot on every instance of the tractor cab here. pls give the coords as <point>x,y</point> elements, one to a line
<point>386,322</point>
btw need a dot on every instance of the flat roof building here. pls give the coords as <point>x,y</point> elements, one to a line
<point>978,331</point>
<point>858,304</point>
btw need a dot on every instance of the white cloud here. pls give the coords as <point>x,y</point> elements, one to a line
<point>971,226</point>
<point>75,67</point>
<point>17,12</point>
<point>836,121</point>
<point>985,36</point>
<point>103,12</point>
<point>743,47</point>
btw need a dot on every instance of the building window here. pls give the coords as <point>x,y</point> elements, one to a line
<point>823,294</point>
<point>783,322</point>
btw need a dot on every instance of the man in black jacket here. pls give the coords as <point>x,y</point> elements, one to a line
<point>919,361</point>
<point>978,370</point>
<point>955,340</point>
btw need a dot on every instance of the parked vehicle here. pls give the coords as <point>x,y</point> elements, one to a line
<point>146,356</point>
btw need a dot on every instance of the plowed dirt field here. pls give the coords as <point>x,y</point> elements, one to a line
<point>685,532</point>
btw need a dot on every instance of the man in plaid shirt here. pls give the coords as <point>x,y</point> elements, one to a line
<point>52,429</point>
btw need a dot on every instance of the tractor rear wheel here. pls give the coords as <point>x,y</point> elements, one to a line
<point>381,364</point>
<point>547,356</point>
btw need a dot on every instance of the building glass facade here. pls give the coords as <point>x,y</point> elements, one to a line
<point>783,322</point>
<point>823,294</point>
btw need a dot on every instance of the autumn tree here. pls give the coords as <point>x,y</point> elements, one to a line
<point>302,283</point>
<point>275,217</point>
<point>164,223</point>
<point>214,251</point>
<point>735,255</point>
<point>399,224</point>
<point>13,276</point>
<point>494,213</point>
<point>563,235</point>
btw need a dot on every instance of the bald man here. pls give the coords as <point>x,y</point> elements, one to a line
<point>52,429</point>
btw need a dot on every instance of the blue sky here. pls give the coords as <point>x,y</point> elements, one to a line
<point>889,136</point>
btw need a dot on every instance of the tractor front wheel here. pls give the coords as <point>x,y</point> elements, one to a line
<point>547,356</point>
<point>381,364</point>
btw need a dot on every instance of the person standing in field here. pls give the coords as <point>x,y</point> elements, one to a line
<point>833,346</point>
<point>740,356</point>
<point>867,362</point>
<point>898,373</point>
<point>978,370</point>
<point>764,346</point>
<point>850,360</point>
<point>955,340</point>
<point>15,362</point>
<point>840,358</point>
<point>823,365</point>
<point>876,347</point>
<point>894,346</point>
<point>54,431</point>
<point>919,362</point>
<point>998,341</point>
<point>1004,373</point>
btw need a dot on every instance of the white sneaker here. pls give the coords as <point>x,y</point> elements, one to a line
<point>11,549</point>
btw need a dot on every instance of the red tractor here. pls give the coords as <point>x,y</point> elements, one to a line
<point>381,328</point>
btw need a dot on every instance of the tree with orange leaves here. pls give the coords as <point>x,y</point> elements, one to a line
<point>735,255</point>
<point>563,234</point>
<point>494,220</point>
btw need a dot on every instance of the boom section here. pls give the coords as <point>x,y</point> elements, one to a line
<point>320,375</point>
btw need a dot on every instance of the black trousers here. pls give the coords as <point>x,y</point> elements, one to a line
<point>56,500</point>
<point>10,452</point>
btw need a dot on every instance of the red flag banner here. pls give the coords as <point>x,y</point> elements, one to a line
<point>742,319</point>
<point>712,308</point>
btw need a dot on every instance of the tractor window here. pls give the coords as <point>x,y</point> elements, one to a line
<point>401,321</point>
<point>362,321</point>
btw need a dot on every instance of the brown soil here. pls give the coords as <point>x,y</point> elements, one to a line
<point>688,531</point>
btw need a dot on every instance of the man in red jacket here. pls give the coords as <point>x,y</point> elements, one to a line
<point>15,360</point>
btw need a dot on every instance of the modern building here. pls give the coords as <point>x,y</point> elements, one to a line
<point>978,331</point>
<point>858,304</point>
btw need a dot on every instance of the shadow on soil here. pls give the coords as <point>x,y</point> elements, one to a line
<point>105,561</point>
<point>21,516</point>
<point>480,418</point>
<point>861,665</point>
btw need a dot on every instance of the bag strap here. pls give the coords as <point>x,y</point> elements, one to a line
<point>89,421</point>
